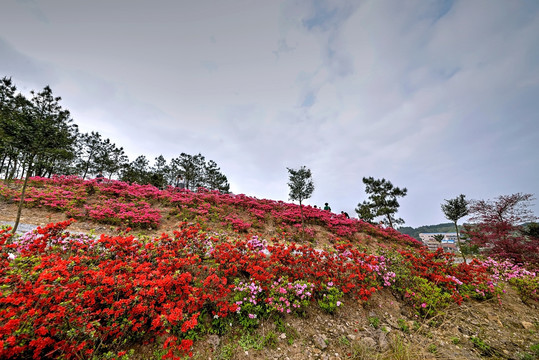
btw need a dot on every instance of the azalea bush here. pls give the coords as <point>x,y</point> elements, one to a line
<point>132,214</point>
<point>71,195</point>
<point>249,299</point>
<point>68,297</point>
<point>237,224</point>
<point>426,298</point>
<point>527,287</point>
<point>290,297</point>
<point>526,282</point>
<point>330,298</point>
<point>430,281</point>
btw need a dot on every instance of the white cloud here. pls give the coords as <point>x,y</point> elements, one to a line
<point>439,97</point>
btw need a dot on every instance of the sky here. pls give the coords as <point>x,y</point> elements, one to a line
<point>439,97</point>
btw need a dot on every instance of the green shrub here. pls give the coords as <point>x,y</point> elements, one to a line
<point>426,298</point>
<point>330,298</point>
<point>374,321</point>
<point>527,287</point>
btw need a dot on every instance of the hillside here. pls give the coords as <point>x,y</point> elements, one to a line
<point>234,277</point>
<point>439,228</point>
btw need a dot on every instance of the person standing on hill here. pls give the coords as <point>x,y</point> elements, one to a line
<point>179,182</point>
<point>99,177</point>
<point>326,207</point>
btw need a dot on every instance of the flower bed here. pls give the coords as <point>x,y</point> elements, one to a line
<point>72,296</point>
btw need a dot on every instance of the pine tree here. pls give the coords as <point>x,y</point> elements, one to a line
<point>382,201</point>
<point>454,209</point>
<point>301,188</point>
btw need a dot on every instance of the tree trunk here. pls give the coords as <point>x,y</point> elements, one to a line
<point>7,170</point>
<point>21,201</point>
<point>302,225</point>
<point>390,222</point>
<point>12,174</point>
<point>458,242</point>
<point>3,161</point>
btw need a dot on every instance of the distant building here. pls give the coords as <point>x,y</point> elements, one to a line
<point>448,243</point>
<point>430,236</point>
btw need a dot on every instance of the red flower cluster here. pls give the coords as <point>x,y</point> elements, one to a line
<point>80,298</point>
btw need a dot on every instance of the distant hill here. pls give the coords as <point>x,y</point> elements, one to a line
<point>414,232</point>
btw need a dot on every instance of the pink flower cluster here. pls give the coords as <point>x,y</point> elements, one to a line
<point>287,297</point>
<point>131,214</point>
<point>506,270</point>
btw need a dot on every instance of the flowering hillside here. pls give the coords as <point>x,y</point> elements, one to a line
<point>232,266</point>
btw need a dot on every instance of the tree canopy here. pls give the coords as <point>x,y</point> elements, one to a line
<point>500,228</point>
<point>38,138</point>
<point>382,201</point>
<point>300,184</point>
<point>301,187</point>
<point>454,209</point>
<point>37,133</point>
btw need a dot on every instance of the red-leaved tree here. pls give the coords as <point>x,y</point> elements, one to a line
<point>496,227</point>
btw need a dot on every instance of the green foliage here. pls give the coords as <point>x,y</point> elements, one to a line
<point>226,352</point>
<point>343,340</point>
<point>531,230</point>
<point>483,347</point>
<point>478,291</point>
<point>270,340</point>
<point>439,228</point>
<point>403,325</point>
<point>290,297</point>
<point>290,332</point>
<point>37,133</point>
<point>454,209</point>
<point>95,154</point>
<point>374,321</point>
<point>382,201</point>
<point>301,188</point>
<point>432,348</point>
<point>527,287</point>
<point>114,355</point>
<point>426,298</point>
<point>219,325</point>
<point>438,237</point>
<point>247,342</point>
<point>300,184</point>
<point>330,298</point>
<point>137,171</point>
<point>469,249</point>
<point>250,299</point>
<point>214,179</point>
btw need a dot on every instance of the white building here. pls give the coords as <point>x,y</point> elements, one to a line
<point>448,243</point>
<point>430,236</point>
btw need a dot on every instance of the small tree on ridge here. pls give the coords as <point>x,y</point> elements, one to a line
<point>301,188</point>
<point>454,209</point>
<point>382,201</point>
